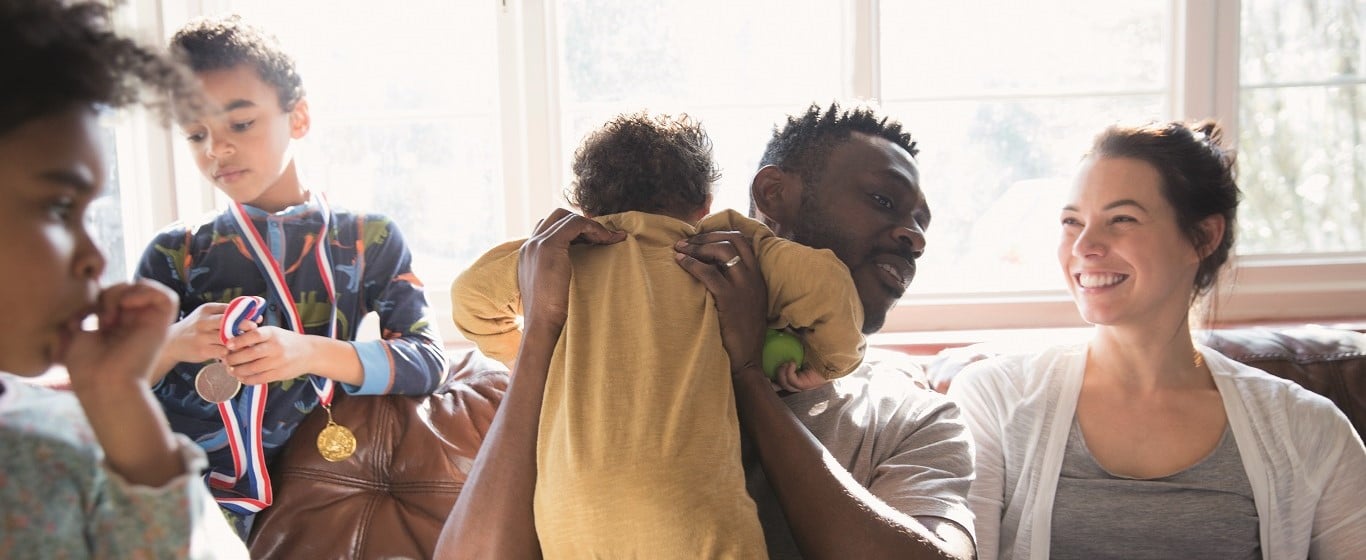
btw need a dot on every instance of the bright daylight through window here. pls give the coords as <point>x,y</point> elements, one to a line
<point>459,119</point>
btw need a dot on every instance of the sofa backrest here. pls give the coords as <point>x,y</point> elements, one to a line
<point>391,499</point>
<point>1330,362</point>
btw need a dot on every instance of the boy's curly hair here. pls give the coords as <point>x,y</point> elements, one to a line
<point>804,143</point>
<point>220,43</point>
<point>59,55</point>
<point>648,164</point>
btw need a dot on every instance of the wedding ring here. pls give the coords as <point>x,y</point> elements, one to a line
<point>732,262</point>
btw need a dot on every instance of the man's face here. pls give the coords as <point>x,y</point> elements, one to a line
<point>869,210</point>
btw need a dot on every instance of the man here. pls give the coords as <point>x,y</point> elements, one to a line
<point>866,467</point>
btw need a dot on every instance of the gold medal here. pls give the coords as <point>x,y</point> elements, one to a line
<point>335,441</point>
<point>215,384</point>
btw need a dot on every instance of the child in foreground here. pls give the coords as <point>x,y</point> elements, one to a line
<point>638,452</point>
<point>94,472</point>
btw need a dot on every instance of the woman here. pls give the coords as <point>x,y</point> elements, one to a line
<point>1140,443</point>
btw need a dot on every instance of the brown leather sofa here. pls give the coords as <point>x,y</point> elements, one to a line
<point>391,499</point>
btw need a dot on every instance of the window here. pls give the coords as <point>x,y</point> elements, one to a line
<point>460,120</point>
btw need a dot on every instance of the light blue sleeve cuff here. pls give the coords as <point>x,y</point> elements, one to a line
<point>374,363</point>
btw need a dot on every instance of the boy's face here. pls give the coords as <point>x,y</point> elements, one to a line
<point>51,168</point>
<point>243,142</point>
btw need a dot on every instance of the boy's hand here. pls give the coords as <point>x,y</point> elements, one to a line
<point>195,338</point>
<point>265,354</point>
<point>133,324</point>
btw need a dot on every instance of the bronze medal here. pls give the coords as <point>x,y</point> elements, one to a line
<point>335,441</point>
<point>215,384</point>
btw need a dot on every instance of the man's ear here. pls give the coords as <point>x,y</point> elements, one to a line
<point>299,121</point>
<point>777,197</point>
<point>1213,228</point>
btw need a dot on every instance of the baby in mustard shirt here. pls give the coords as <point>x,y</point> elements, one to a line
<point>638,453</point>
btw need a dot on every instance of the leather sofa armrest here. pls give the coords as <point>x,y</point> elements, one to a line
<point>392,497</point>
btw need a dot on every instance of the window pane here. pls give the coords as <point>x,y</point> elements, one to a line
<point>933,48</point>
<point>1301,40</point>
<point>995,175</point>
<point>404,111</point>
<point>1302,152</point>
<point>739,77</point>
<point>1003,109</point>
<point>104,218</point>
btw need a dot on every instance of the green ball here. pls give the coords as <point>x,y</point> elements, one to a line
<point>780,348</point>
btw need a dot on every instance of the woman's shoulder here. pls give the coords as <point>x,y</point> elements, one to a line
<point>1302,411</point>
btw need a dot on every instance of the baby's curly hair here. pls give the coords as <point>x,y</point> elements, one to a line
<point>220,43</point>
<point>804,143</point>
<point>648,164</point>
<point>59,55</point>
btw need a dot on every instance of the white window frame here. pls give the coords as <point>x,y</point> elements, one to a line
<point>1204,81</point>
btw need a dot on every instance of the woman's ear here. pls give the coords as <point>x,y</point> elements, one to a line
<point>777,197</point>
<point>1213,229</point>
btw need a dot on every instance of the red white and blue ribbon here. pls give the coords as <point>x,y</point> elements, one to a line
<point>251,405</point>
<point>243,415</point>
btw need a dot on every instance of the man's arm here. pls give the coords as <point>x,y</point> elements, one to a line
<point>831,515</point>
<point>494,517</point>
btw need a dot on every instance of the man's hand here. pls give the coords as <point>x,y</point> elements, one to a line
<point>543,269</point>
<point>738,289</point>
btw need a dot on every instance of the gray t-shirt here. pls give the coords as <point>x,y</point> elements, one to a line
<point>904,443</point>
<point>1204,511</point>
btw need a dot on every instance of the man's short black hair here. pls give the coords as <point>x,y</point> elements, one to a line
<point>804,143</point>
<point>58,55</point>
<point>220,43</point>
<point>647,164</point>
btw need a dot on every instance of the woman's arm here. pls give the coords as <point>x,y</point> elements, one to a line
<point>494,518</point>
<point>830,513</point>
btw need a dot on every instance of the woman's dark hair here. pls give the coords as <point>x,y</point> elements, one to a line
<point>220,43</point>
<point>648,164</point>
<point>1197,180</point>
<point>58,55</point>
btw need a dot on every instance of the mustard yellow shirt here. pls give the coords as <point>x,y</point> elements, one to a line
<point>639,453</point>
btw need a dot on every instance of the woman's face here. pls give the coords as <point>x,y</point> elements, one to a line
<point>51,168</point>
<point>1125,259</point>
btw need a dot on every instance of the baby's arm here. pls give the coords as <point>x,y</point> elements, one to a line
<point>811,291</point>
<point>485,302</point>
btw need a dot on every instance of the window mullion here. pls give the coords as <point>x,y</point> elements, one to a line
<point>862,59</point>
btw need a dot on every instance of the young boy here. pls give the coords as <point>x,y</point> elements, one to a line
<point>640,389</point>
<point>319,269</point>
<point>93,472</point>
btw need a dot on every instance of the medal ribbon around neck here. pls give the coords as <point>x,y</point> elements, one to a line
<point>252,407</point>
<point>246,441</point>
